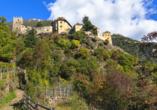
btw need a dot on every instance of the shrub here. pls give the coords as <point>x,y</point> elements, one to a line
<point>73,63</point>
<point>94,40</point>
<point>83,52</point>
<point>30,90</point>
<point>100,44</point>
<point>79,34</point>
<point>69,53</point>
<point>65,71</point>
<point>69,102</point>
<point>75,44</point>
<point>64,43</point>
<point>102,54</point>
<point>106,42</point>
<point>83,40</point>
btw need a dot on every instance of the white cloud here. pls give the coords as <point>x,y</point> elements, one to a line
<point>126,17</point>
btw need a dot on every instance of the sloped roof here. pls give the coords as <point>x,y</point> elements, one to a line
<point>78,24</point>
<point>96,27</point>
<point>106,32</point>
<point>61,18</point>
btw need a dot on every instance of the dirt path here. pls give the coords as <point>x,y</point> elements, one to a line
<point>19,94</point>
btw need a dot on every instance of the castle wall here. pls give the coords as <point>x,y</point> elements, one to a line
<point>107,36</point>
<point>44,29</point>
<point>23,29</point>
<point>17,22</point>
<point>61,26</point>
<point>77,28</point>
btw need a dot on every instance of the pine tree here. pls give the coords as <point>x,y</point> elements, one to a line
<point>88,26</point>
<point>31,40</point>
<point>39,24</point>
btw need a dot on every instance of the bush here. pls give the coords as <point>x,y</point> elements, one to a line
<point>64,43</point>
<point>79,34</point>
<point>94,40</point>
<point>69,53</point>
<point>83,40</point>
<point>102,54</point>
<point>69,102</point>
<point>83,52</point>
<point>75,44</point>
<point>30,90</point>
<point>106,42</point>
<point>101,44</point>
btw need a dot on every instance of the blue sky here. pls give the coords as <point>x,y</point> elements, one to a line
<point>26,8</point>
<point>131,18</point>
<point>34,9</point>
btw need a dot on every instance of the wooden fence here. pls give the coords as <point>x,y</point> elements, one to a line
<point>53,92</point>
<point>9,72</point>
<point>7,75</point>
<point>29,104</point>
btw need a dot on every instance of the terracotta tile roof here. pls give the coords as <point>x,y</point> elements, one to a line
<point>96,27</point>
<point>78,24</point>
<point>61,18</point>
<point>106,32</point>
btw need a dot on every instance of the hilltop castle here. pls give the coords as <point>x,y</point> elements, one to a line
<point>59,25</point>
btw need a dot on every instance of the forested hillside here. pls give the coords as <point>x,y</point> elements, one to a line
<point>31,23</point>
<point>130,46</point>
<point>101,73</point>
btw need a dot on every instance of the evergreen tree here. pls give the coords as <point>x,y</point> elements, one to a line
<point>121,45</point>
<point>88,26</point>
<point>31,40</point>
<point>39,24</point>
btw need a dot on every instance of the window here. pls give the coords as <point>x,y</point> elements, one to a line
<point>61,22</point>
<point>16,27</point>
<point>108,35</point>
<point>47,30</point>
<point>18,19</point>
<point>61,26</point>
<point>107,38</point>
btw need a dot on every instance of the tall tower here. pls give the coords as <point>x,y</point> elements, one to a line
<point>17,22</point>
<point>107,35</point>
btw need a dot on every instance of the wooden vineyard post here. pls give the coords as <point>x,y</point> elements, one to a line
<point>11,74</point>
<point>67,92</point>
<point>46,91</point>
<point>53,108</point>
<point>63,92</point>
<point>14,74</point>
<point>24,74</point>
<point>0,76</point>
<point>7,75</point>
<point>60,92</point>
<point>54,92</point>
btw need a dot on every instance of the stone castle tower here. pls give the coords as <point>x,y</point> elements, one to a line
<point>17,22</point>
